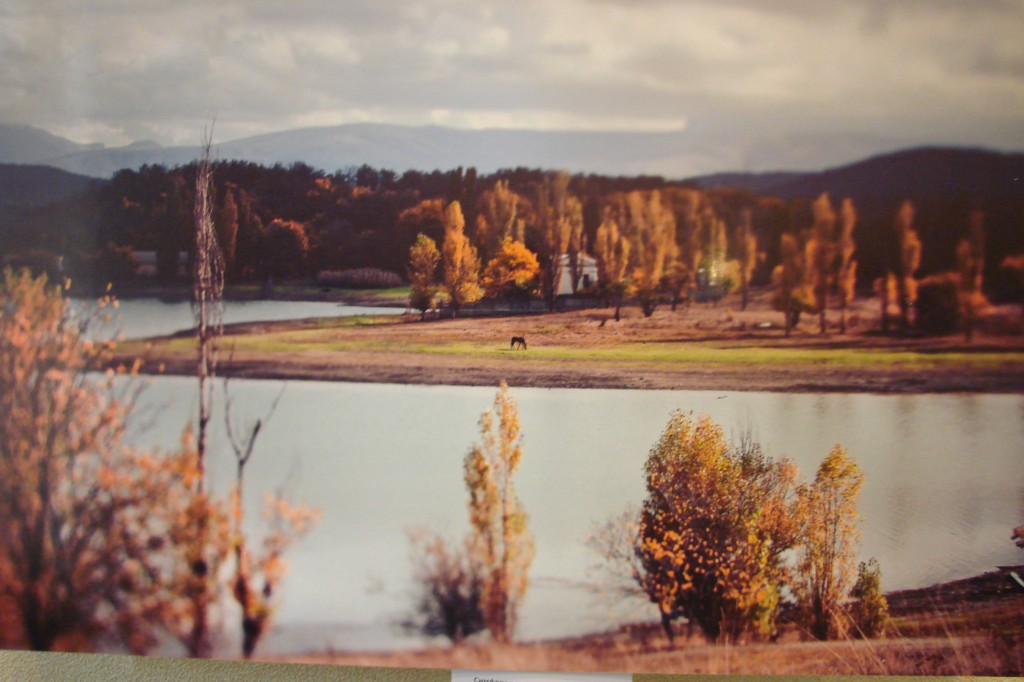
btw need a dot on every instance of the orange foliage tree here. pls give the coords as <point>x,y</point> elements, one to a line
<point>821,253</point>
<point>846,278</point>
<point>501,545</point>
<point>461,263</point>
<point>650,227</point>
<point>512,273</point>
<point>713,529</point>
<point>85,520</point>
<point>747,254</point>
<point>970,260</point>
<point>499,217</point>
<point>791,296</point>
<point>559,218</point>
<point>908,261</point>
<point>287,523</point>
<point>611,251</point>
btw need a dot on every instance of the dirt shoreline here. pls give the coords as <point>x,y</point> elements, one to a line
<point>403,350</point>
<point>400,368</point>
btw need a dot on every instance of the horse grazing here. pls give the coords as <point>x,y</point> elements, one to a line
<point>518,341</point>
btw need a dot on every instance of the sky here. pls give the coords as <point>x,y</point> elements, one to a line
<point>118,71</point>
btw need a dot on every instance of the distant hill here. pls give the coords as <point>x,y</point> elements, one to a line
<point>31,186</point>
<point>26,144</point>
<point>906,174</point>
<point>675,154</point>
<point>944,184</point>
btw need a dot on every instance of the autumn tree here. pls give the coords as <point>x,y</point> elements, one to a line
<point>461,263</point>
<point>1015,264</point>
<point>830,536</point>
<point>789,278</point>
<point>501,544</point>
<point>84,516</point>
<point>869,612</point>
<point>746,253</point>
<point>499,217</point>
<point>970,260</point>
<point>712,271</point>
<point>820,248</point>
<point>286,246</point>
<point>423,260</point>
<point>287,523</point>
<point>650,227</point>
<point>577,246</point>
<point>687,252</point>
<point>846,276</point>
<point>227,228</point>
<point>559,215</point>
<point>908,261</point>
<point>713,529</point>
<point>426,218</point>
<point>887,290</point>
<point>512,273</point>
<point>611,251</point>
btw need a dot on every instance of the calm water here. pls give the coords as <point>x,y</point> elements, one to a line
<point>142,317</point>
<point>944,484</point>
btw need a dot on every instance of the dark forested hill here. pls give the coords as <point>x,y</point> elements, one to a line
<point>944,184</point>
<point>912,173</point>
<point>26,186</point>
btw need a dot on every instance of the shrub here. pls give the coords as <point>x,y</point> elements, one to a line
<point>359,278</point>
<point>870,612</point>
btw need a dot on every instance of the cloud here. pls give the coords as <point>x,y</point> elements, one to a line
<point>952,71</point>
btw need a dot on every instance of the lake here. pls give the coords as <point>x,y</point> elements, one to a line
<point>142,317</point>
<point>944,485</point>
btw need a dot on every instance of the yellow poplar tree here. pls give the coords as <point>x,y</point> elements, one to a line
<point>746,253</point>
<point>498,218</point>
<point>501,544</point>
<point>789,279</point>
<point>423,260</point>
<point>847,266</point>
<point>559,218</point>
<point>909,261</point>
<point>821,255</point>
<point>651,229</point>
<point>830,535</point>
<point>970,259</point>
<point>611,251</point>
<point>461,263</point>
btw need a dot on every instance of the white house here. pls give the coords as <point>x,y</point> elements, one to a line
<point>588,274</point>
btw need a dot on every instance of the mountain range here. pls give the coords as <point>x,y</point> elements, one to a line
<point>677,154</point>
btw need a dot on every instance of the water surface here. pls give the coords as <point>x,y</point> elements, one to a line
<point>944,484</point>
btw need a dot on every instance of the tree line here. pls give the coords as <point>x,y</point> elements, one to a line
<point>297,221</point>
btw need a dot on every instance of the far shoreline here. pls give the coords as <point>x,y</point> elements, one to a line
<point>700,347</point>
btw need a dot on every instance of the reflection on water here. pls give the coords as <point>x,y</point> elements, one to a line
<point>944,483</point>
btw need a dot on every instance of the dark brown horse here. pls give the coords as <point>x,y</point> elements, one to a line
<point>518,341</point>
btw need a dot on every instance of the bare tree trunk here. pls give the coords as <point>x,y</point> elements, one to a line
<point>207,307</point>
